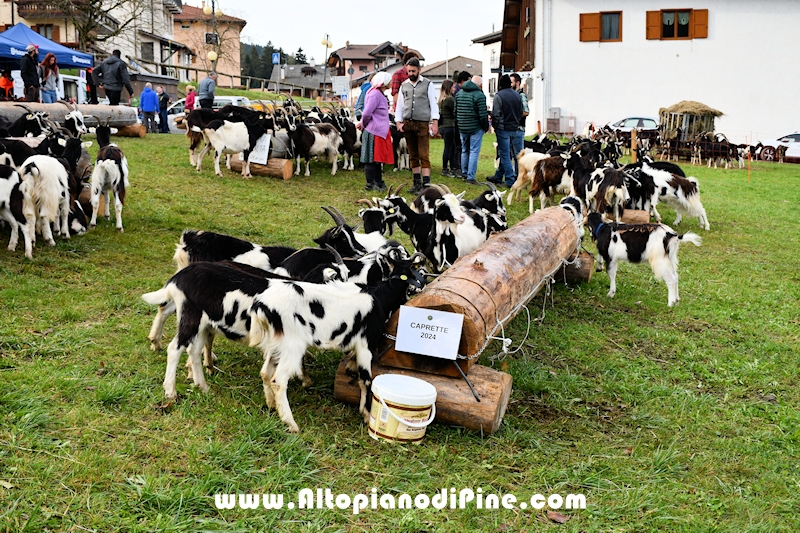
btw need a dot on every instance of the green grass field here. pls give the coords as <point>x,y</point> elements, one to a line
<point>681,419</point>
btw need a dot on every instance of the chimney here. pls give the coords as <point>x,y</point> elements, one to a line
<point>347,45</point>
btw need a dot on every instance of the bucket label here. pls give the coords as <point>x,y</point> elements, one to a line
<point>428,332</point>
<point>382,426</point>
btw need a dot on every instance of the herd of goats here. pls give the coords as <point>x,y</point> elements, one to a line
<point>338,293</point>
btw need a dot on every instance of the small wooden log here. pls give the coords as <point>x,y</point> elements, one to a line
<point>491,284</point>
<point>275,167</point>
<point>134,130</point>
<point>578,272</point>
<point>635,216</point>
<point>455,404</point>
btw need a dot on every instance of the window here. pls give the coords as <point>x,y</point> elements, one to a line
<point>186,25</point>
<point>605,26</point>
<point>362,68</point>
<point>677,24</point>
<point>492,86</point>
<point>45,30</point>
<point>148,53</point>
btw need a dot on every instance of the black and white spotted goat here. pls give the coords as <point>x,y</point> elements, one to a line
<point>656,243</point>
<point>110,174</point>
<point>14,201</point>
<point>290,317</point>
<point>283,316</point>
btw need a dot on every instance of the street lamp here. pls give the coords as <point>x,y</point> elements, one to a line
<point>327,44</point>
<point>212,55</point>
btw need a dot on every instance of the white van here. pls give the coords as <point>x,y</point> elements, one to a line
<point>68,87</point>
<point>178,109</point>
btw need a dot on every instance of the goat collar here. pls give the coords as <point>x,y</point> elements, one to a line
<point>597,231</point>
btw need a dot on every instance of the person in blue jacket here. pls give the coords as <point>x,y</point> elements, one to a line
<point>149,104</point>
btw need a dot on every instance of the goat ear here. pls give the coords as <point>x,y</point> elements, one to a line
<point>62,142</point>
<point>92,130</point>
<point>460,195</point>
<point>114,131</point>
<point>87,144</point>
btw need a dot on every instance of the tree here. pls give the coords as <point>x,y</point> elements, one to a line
<point>96,21</point>
<point>300,57</point>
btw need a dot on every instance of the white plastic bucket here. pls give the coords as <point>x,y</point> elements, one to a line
<point>402,408</point>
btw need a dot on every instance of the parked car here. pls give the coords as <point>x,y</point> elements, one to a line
<point>178,109</point>
<point>792,144</point>
<point>640,123</point>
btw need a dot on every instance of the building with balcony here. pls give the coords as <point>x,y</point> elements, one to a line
<point>191,27</point>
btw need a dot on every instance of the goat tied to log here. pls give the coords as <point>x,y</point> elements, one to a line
<point>48,184</point>
<point>228,137</point>
<point>290,317</point>
<point>656,243</point>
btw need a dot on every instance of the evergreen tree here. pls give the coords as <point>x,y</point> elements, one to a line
<point>300,57</point>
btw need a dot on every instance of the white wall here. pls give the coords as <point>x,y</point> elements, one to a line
<point>746,68</point>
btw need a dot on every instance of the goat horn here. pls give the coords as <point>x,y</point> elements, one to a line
<point>491,186</point>
<point>446,188</point>
<point>335,215</point>
<point>27,108</point>
<point>399,188</point>
<point>365,201</point>
<point>389,191</point>
<point>108,119</point>
<point>336,254</point>
<point>341,216</point>
<point>438,188</point>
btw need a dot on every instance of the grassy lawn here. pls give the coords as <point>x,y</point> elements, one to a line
<point>680,419</point>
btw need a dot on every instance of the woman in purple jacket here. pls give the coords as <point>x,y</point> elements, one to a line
<point>376,139</point>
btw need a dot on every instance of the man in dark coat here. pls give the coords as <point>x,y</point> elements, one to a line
<point>163,102</point>
<point>29,71</point>
<point>112,75</point>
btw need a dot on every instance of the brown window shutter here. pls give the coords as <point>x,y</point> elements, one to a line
<point>590,27</point>
<point>56,34</point>
<point>35,28</point>
<point>700,24</point>
<point>654,24</point>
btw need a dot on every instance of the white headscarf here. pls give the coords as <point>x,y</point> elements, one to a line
<point>381,79</point>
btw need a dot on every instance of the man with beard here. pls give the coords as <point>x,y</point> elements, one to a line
<point>417,117</point>
<point>29,72</point>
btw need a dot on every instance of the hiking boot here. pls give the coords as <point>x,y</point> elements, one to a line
<point>380,187</point>
<point>447,173</point>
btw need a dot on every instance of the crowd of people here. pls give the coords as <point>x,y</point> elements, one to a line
<point>458,113</point>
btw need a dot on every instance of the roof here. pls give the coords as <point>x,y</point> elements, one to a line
<point>456,64</point>
<point>369,51</point>
<point>489,38</point>
<point>192,14</point>
<point>355,51</point>
<point>169,42</point>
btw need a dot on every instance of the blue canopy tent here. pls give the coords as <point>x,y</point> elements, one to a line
<point>16,38</point>
<point>10,53</point>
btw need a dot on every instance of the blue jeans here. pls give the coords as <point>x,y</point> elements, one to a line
<point>517,139</point>
<point>162,117</point>
<point>506,168</point>
<point>470,150</point>
<point>49,97</point>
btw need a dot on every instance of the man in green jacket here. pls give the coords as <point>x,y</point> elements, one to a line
<point>472,120</point>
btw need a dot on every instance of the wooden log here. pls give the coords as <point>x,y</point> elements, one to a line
<point>635,216</point>
<point>118,115</point>
<point>275,167</point>
<point>578,272</point>
<point>134,130</point>
<point>490,285</point>
<point>455,404</point>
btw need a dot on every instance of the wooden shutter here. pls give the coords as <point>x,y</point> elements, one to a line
<point>654,24</point>
<point>590,27</point>
<point>700,24</point>
<point>56,33</point>
<point>35,28</point>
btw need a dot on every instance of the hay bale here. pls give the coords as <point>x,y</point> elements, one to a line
<point>691,107</point>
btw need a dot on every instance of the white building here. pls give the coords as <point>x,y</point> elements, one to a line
<point>598,61</point>
<point>491,62</point>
